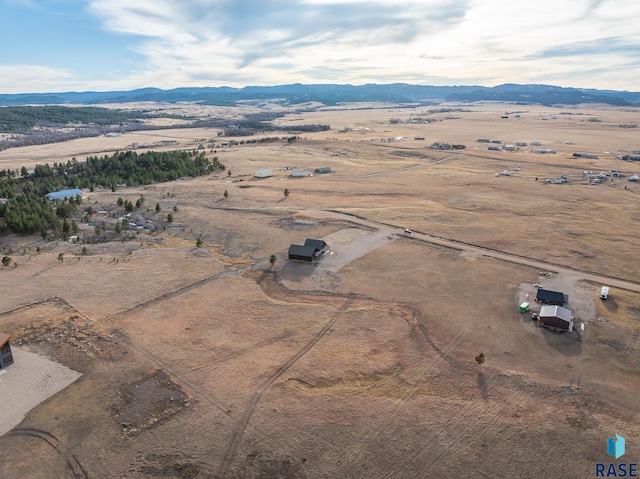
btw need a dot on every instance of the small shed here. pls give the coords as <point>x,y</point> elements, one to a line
<point>546,296</point>
<point>323,169</point>
<point>302,253</point>
<point>266,173</point>
<point>555,317</point>
<point>298,173</point>
<point>6,358</point>
<point>63,194</point>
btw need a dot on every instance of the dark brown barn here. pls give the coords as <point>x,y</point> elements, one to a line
<point>556,317</point>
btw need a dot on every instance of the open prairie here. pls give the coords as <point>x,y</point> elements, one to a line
<point>209,362</point>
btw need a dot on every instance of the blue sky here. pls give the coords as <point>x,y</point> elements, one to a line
<point>75,45</point>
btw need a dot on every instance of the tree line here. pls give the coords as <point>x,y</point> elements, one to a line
<point>15,118</point>
<point>27,211</point>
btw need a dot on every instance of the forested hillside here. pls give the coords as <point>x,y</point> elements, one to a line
<point>15,118</point>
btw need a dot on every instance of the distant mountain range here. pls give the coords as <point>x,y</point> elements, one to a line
<point>335,94</point>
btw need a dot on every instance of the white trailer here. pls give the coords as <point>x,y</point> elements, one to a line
<point>604,292</point>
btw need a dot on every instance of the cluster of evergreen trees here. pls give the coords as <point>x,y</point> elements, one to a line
<point>27,211</point>
<point>131,168</point>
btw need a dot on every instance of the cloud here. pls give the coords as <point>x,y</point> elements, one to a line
<point>243,40</point>
<point>602,46</point>
<point>29,78</point>
<point>167,44</point>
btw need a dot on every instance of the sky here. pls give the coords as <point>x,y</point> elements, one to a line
<point>103,45</point>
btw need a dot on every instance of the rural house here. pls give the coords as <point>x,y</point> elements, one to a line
<point>6,358</point>
<point>311,249</point>
<point>302,253</point>
<point>555,317</point>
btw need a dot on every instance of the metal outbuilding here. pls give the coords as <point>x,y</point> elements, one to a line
<point>298,173</point>
<point>266,173</point>
<point>546,296</point>
<point>63,194</point>
<point>556,317</point>
<point>579,154</point>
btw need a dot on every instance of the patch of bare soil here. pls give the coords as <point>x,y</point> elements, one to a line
<point>54,323</point>
<point>294,224</point>
<point>264,466</point>
<point>175,466</point>
<point>148,402</point>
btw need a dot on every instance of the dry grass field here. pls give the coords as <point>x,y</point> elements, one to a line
<point>208,362</point>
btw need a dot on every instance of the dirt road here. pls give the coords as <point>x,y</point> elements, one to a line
<point>490,253</point>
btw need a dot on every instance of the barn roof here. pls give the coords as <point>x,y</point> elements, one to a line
<point>263,173</point>
<point>547,296</point>
<point>62,194</point>
<point>315,243</point>
<point>4,338</point>
<point>549,311</point>
<point>300,250</point>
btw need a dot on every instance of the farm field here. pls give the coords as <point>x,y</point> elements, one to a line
<point>210,362</point>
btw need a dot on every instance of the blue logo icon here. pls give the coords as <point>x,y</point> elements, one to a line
<point>615,446</point>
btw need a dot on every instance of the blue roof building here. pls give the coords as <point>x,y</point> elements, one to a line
<point>64,194</point>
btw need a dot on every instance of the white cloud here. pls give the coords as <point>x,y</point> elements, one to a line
<point>236,43</point>
<point>29,78</point>
<point>239,42</point>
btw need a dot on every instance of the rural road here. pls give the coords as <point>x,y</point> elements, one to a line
<point>487,252</point>
<point>398,170</point>
<point>576,273</point>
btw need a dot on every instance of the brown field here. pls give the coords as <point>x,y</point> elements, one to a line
<point>208,362</point>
